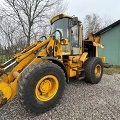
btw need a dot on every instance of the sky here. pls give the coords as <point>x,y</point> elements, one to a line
<point>104,8</point>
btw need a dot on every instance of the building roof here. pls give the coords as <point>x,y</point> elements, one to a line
<point>108,28</point>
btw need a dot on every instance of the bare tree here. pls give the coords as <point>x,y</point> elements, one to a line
<point>22,21</point>
<point>107,20</point>
<point>93,23</point>
<point>32,15</point>
<point>9,33</point>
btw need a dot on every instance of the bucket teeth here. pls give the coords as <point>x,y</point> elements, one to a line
<point>3,101</point>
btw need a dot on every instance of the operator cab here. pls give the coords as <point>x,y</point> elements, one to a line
<point>67,28</point>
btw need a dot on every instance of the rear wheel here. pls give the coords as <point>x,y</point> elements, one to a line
<point>41,86</point>
<point>93,70</point>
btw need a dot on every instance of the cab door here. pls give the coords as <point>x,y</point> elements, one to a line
<point>75,45</point>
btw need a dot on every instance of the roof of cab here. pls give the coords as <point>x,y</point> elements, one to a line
<point>60,16</point>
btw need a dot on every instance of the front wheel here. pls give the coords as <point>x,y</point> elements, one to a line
<point>41,86</point>
<point>93,70</point>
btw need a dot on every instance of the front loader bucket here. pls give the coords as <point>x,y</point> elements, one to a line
<point>5,92</point>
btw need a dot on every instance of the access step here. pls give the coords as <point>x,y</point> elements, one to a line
<point>79,70</point>
<point>81,78</point>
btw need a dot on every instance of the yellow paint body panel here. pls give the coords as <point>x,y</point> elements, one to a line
<point>9,90</point>
<point>20,66</point>
<point>103,59</point>
<point>13,86</point>
<point>60,16</point>
<point>46,88</point>
<point>71,67</point>
<point>58,51</point>
<point>4,78</point>
<point>57,17</point>
<point>83,57</point>
<point>6,90</point>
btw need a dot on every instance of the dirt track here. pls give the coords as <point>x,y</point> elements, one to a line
<point>81,101</point>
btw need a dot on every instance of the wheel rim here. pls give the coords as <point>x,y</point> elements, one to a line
<point>97,70</point>
<point>46,88</point>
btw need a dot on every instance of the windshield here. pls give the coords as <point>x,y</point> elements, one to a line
<point>62,26</point>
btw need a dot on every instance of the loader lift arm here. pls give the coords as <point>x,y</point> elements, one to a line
<point>11,70</point>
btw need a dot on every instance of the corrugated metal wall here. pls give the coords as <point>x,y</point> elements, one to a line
<point>111,41</point>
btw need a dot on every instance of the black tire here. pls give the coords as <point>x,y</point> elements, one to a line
<point>89,67</point>
<point>27,84</point>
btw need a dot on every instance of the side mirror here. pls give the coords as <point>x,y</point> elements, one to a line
<point>74,21</point>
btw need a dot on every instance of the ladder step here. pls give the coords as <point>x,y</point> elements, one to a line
<point>81,78</point>
<point>80,70</point>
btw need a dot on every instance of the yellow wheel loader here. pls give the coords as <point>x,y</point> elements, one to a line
<point>37,75</point>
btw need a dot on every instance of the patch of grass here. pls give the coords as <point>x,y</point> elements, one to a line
<point>4,58</point>
<point>114,69</point>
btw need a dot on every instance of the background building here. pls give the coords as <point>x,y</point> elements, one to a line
<point>110,38</point>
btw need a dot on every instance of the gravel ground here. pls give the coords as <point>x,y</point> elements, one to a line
<point>81,101</point>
